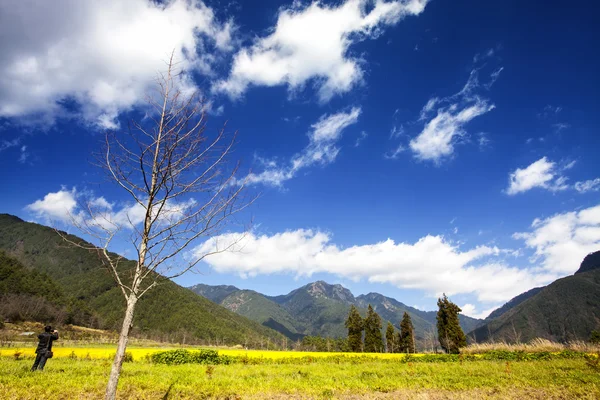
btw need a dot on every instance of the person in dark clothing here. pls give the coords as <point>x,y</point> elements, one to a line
<point>44,346</point>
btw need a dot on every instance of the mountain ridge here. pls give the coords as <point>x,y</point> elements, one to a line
<point>320,308</point>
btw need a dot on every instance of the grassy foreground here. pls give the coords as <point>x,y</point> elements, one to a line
<point>372,378</point>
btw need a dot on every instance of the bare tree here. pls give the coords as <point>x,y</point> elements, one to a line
<point>183,189</point>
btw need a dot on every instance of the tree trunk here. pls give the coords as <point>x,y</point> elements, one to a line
<point>115,371</point>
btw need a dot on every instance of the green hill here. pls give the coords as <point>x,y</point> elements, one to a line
<point>567,309</point>
<point>168,312</point>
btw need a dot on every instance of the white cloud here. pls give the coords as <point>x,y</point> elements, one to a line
<point>104,55</point>
<point>445,119</point>
<point>60,205</point>
<point>546,174</point>
<point>396,153</point>
<point>540,174</point>
<point>563,240</point>
<point>84,208</point>
<point>432,263</point>
<point>438,138</point>
<point>468,309</point>
<point>592,185</point>
<point>482,56</point>
<point>361,138</point>
<point>312,43</point>
<point>322,149</point>
<point>472,311</point>
<point>7,144</point>
<point>24,155</point>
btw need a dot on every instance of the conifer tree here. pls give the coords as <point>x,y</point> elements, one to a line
<point>390,338</point>
<point>398,342</point>
<point>373,339</point>
<point>407,335</point>
<point>355,325</point>
<point>450,334</point>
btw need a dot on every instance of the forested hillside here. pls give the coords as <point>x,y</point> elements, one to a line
<point>565,310</point>
<point>168,312</point>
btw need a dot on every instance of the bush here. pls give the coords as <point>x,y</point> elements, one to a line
<point>181,356</point>
<point>128,356</point>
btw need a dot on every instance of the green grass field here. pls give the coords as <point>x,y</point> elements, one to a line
<point>344,378</point>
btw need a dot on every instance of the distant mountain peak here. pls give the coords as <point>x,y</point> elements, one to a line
<point>335,292</point>
<point>590,262</point>
<point>379,300</point>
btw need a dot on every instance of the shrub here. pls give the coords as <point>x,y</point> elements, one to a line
<point>128,356</point>
<point>182,356</point>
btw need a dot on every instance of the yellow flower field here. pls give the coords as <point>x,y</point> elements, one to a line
<point>139,353</point>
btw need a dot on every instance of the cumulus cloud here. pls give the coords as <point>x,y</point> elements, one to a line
<point>59,205</point>
<point>563,240</point>
<point>312,43</point>
<point>433,263</point>
<point>322,149</point>
<point>103,55</point>
<point>445,119</point>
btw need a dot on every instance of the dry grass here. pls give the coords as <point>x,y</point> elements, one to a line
<point>534,346</point>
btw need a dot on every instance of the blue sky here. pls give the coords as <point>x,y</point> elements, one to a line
<point>405,147</point>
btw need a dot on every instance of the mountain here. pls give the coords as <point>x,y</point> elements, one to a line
<point>321,309</point>
<point>216,294</point>
<point>567,309</point>
<point>167,312</point>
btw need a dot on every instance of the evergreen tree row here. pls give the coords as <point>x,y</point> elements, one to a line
<point>365,334</point>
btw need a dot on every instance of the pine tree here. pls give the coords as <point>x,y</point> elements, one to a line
<point>390,338</point>
<point>407,335</point>
<point>450,334</point>
<point>373,339</point>
<point>398,342</point>
<point>355,325</point>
